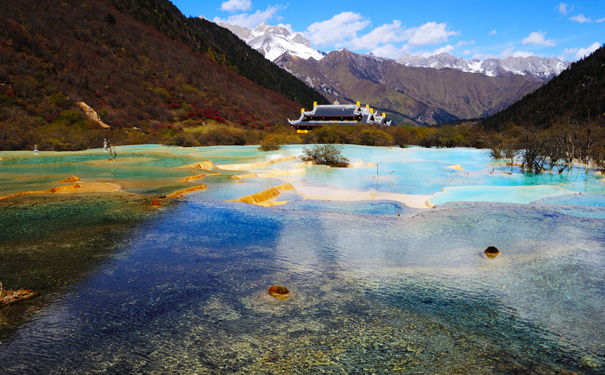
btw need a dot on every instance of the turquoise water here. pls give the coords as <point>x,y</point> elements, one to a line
<point>377,287</point>
<point>150,169</point>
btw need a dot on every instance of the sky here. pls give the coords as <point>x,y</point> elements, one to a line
<point>390,28</point>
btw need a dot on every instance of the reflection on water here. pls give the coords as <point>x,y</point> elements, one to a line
<point>377,287</point>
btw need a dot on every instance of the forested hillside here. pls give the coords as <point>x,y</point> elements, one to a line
<point>577,94</point>
<point>150,73</point>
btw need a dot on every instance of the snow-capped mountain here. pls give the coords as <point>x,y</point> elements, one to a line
<point>543,68</point>
<point>273,41</point>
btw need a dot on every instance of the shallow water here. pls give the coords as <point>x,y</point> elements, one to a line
<point>377,287</point>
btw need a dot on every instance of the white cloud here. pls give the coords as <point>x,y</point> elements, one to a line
<point>387,33</point>
<point>493,32</point>
<point>522,54</point>
<point>249,20</point>
<point>464,43</point>
<point>566,52</point>
<point>235,5</point>
<point>581,19</point>
<point>448,48</point>
<point>583,52</point>
<point>537,38</point>
<point>429,33</point>
<point>391,51</point>
<point>337,30</point>
<point>563,8</point>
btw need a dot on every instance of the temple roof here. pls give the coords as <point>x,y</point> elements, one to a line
<point>338,114</point>
<point>333,111</point>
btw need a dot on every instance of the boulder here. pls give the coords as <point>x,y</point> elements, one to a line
<point>279,291</point>
<point>491,252</point>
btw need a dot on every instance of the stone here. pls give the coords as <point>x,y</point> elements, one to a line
<point>8,297</point>
<point>491,252</point>
<point>279,291</point>
<point>156,203</point>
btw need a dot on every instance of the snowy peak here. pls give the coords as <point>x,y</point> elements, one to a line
<point>274,41</point>
<point>543,68</point>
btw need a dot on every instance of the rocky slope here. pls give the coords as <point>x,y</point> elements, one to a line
<point>408,94</point>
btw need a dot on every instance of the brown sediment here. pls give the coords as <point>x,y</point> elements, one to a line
<point>237,167</point>
<point>197,177</point>
<point>178,193</point>
<point>70,179</point>
<point>8,297</point>
<point>279,291</point>
<point>81,187</point>
<point>49,191</point>
<point>207,165</point>
<point>262,197</point>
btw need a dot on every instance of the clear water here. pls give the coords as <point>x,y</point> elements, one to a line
<point>377,287</point>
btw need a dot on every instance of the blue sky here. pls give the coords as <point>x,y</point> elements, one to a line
<point>391,28</point>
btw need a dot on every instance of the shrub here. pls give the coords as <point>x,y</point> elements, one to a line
<point>272,142</point>
<point>325,155</point>
<point>375,137</point>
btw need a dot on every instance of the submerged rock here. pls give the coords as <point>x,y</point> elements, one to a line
<point>491,252</point>
<point>279,291</point>
<point>8,297</point>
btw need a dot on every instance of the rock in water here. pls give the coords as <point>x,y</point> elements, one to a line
<point>491,252</point>
<point>279,291</point>
<point>8,297</point>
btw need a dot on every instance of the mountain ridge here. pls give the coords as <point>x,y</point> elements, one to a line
<point>544,68</point>
<point>274,41</point>
<point>417,95</point>
<point>576,95</point>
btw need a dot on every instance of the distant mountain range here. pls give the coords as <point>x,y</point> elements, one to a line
<point>408,95</point>
<point>543,68</point>
<point>421,90</point>
<point>274,41</point>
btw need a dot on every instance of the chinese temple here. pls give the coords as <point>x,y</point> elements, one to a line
<point>337,114</point>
